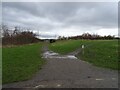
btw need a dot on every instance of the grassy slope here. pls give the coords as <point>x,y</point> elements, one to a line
<point>20,63</point>
<point>103,53</point>
<point>64,47</point>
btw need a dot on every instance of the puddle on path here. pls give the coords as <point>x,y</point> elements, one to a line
<point>51,54</point>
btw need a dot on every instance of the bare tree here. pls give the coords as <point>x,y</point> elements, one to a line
<point>5,31</point>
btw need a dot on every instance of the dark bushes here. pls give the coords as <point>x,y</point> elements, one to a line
<point>93,37</point>
<point>52,40</point>
<point>17,37</point>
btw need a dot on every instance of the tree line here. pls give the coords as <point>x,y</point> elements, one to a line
<point>17,36</point>
<point>89,36</point>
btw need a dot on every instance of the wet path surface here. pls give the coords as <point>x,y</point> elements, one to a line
<point>51,54</point>
<point>66,71</point>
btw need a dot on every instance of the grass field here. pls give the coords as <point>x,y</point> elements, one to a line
<point>102,53</point>
<point>21,62</point>
<point>64,47</point>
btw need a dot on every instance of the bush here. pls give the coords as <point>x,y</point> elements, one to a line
<point>17,37</point>
<point>52,40</point>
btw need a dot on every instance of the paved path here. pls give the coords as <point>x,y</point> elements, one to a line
<point>66,71</point>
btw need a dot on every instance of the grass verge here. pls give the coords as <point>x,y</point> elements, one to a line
<point>66,46</point>
<point>102,53</point>
<point>20,63</point>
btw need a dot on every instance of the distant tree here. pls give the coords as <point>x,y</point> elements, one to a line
<point>91,36</point>
<point>17,36</point>
<point>59,38</point>
<point>0,34</point>
<point>86,36</point>
<point>5,31</point>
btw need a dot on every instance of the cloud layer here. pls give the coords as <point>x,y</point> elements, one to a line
<point>63,18</point>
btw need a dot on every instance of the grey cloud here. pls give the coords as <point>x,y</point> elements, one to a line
<point>96,16</point>
<point>28,7</point>
<point>49,16</point>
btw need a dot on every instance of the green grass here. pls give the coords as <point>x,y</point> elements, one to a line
<point>21,62</point>
<point>66,46</point>
<point>102,53</point>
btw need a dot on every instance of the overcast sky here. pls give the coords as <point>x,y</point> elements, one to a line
<point>63,18</point>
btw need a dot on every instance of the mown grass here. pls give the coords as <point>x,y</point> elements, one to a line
<point>66,46</point>
<point>102,53</point>
<point>21,62</point>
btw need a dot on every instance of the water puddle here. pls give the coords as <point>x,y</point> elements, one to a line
<point>51,54</point>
